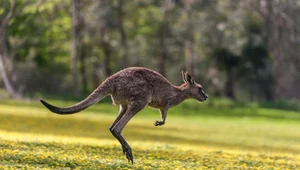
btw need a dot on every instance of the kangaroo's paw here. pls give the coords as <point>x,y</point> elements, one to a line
<point>128,153</point>
<point>159,123</point>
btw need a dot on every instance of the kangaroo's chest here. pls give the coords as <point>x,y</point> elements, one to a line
<point>157,102</point>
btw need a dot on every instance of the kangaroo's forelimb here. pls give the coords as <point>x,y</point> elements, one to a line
<point>163,113</point>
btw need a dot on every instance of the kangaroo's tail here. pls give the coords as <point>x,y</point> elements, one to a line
<point>97,95</point>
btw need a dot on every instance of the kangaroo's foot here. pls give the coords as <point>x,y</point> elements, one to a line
<point>128,153</point>
<point>159,123</point>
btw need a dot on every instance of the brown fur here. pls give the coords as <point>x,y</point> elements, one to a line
<point>134,88</point>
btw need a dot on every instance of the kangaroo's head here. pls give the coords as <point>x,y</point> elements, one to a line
<point>194,89</point>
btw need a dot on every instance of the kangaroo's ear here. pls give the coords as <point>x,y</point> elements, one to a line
<point>189,78</point>
<point>183,77</point>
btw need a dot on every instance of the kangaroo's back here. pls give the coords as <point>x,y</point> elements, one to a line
<point>137,82</point>
<point>133,76</point>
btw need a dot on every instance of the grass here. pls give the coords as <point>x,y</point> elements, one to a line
<point>196,136</point>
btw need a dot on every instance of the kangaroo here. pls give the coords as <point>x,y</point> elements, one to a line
<point>134,88</point>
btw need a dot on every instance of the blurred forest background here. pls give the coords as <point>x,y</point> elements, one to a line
<point>245,50</point>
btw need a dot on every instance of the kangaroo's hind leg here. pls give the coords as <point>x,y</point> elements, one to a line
<point>123,109</point>
<point>133,108</point>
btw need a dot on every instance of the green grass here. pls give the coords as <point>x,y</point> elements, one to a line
<point>195,136</point>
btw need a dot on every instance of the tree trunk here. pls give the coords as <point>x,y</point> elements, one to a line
<point>189,40</point>
<point>162,34</point>
<point>163,51</point>
<point>280,27</point>
<point>229,91</point>
<point>269,94</point>
<point>104,5</point>
<point>124,43</point>
<point>95,75</point>
<point>76,44</point>
<point>107,56</point>
<point>4,52</point>
<point>189,56</point>
<point>83,73</point>
<point>6,81</point>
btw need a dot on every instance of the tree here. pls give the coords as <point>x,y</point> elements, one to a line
<point>281,30</point>
<point>163,34</point>
<point>123,34</point>
<point>256,61</point>
<point>227,62</point>
<point>189,37</point>
<point>83,71</point>
<point>76,42</point>
<point>106,24</point>
<point>4,21</point>
<point>108,35</point>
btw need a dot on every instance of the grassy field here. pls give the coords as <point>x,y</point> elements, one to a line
<point>214,135</point>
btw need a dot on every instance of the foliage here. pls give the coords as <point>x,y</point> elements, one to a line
<point>38,31</point>
<point>225,59</point>
<point>255,70</point>
<point>282,104</point>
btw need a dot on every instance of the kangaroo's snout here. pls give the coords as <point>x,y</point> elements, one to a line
<point>204,96</point>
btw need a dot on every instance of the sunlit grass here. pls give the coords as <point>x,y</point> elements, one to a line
<point>31,137</point>
<point>52,155</point>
